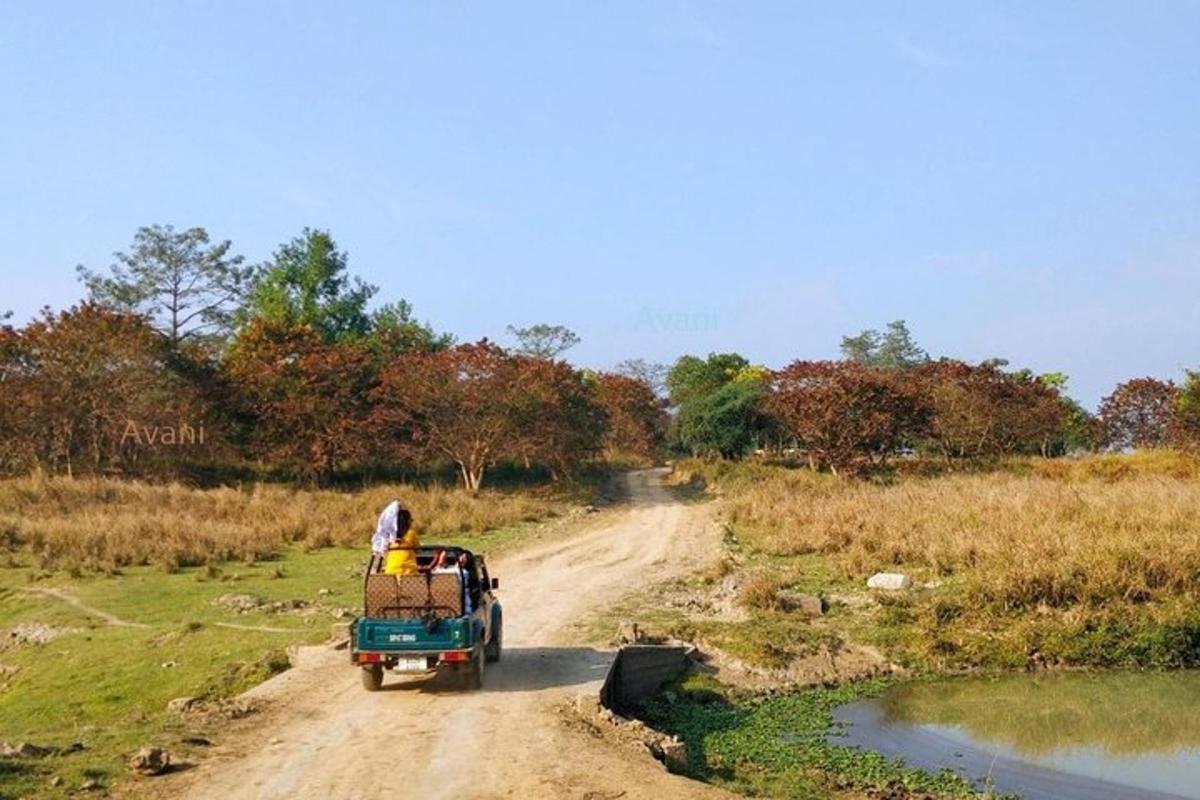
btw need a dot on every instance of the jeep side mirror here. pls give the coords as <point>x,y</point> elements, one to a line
<point>495,583</point>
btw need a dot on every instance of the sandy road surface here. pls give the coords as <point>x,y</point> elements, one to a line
<point>325,737</point>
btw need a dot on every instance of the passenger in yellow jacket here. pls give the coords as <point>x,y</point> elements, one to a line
<point>402,554</point>
<point>396,541</point>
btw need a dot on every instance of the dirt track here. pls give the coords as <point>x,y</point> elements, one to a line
<point>324,737</point>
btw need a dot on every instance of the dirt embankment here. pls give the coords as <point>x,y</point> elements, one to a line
<point>322,736</point>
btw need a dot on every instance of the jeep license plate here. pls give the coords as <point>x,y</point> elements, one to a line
<point>411,665</point>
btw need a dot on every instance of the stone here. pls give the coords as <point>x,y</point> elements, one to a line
<point>324,592</point>
<point>674,753</point>
<point>181,705</point>
<point>56,780</point>
<point>24,750</point>
<point>239,602</point>
<point>890,581</point>
<point>150,761</point>
<point>91,784</point>
<point>807,604</point>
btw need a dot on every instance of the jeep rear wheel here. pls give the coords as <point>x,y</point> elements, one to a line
<point>473,676</point>
<point>372,677</point>
<point>497,641</point>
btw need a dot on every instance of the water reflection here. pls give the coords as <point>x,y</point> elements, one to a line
<point>1117,713</point>
<point>1111,735</point>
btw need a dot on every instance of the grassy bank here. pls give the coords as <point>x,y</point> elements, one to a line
<point>158,560</point>
<point>778,747</point>
<point>1092,562</point>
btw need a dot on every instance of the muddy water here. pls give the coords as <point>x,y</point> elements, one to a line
<point>1085,736</point>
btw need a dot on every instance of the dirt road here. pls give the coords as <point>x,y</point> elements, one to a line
<point>324,737</point>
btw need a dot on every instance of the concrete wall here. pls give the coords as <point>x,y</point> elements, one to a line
<point>638,672</point>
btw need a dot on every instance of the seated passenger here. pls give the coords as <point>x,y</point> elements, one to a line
<point>463,566</point>
<point>396,540</point>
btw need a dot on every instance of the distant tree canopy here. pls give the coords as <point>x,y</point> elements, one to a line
<point>636,418</point>
<point>309,382</point>
<point>307,284</point>
<point>543,341</point>
<point>651,373</point>
<point>1139,413</point>
<point>1187,410</point>
<point>893,348</point>
<point>846,416</point>
<point>186,286</point>
<point>691,378</point>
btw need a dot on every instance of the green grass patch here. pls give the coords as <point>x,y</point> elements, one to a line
<point>778,746</point>
<point>108,686</point>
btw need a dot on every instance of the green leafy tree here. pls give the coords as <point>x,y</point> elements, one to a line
<point>692,378</point>
<point>187,287</point>
<point>307,284</point>
<point>893,348</point>
<point>543,341</point>
<point>726,423</point>
<point>1187,409</point>
<point>395,330</point>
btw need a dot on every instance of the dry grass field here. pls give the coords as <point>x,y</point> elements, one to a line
<point>1088,561</point>
<point>105,524</point>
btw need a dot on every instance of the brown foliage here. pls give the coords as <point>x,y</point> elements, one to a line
<point>476,404</point>
<point>1139,413</point>
<point>845,415</point>
<point>308,397</point>
<point>76,381</point>
<point>979,411</point>
<point>637,420</point>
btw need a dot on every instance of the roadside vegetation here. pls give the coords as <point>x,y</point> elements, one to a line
<point>117,597</point>
<point>104,524</point>
<point>1089,565</point>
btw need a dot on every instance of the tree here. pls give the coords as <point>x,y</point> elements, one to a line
<point>555,416</point>
<point>1139,413</point>
<point>187,287</point>
<point>76,381</point>
<point>543,341</point>
<point>845,415</point>
<point>454,403</point>
<point>1187,410</point>
<point>981,411</point>
<point>691,378</point>
<point>651,373</point>
<point>636,417</point>
<point>725,423</point>
<point>307,284</point>
<point>894,348</point>
<point>309,397</point>
<point>394,330</point>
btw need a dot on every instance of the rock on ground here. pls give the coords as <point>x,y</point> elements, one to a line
<point>150,761</point>
<point>889,580</point>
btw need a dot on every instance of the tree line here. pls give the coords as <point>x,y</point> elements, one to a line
<point>887,398</point>
<point>184,355</point>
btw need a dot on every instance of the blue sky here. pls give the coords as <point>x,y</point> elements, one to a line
<point>1014,179</point>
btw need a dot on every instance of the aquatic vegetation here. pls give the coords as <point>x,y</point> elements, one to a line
<point>778,745</point>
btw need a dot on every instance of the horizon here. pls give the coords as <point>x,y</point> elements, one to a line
<point>674,179</point>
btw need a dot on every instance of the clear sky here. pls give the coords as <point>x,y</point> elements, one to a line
<point>1014,179</point>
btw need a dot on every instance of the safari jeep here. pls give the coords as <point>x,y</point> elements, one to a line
<point>431,622</point>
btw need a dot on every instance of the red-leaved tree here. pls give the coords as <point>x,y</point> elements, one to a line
<point>846,416</point>
<point>1139,413</point>
<point>308,398</point>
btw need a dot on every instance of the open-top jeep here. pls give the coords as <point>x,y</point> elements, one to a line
<point>446,619</point>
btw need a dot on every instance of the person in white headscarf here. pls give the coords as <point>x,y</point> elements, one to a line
<point>385,529</point>
<point>396,540</point>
